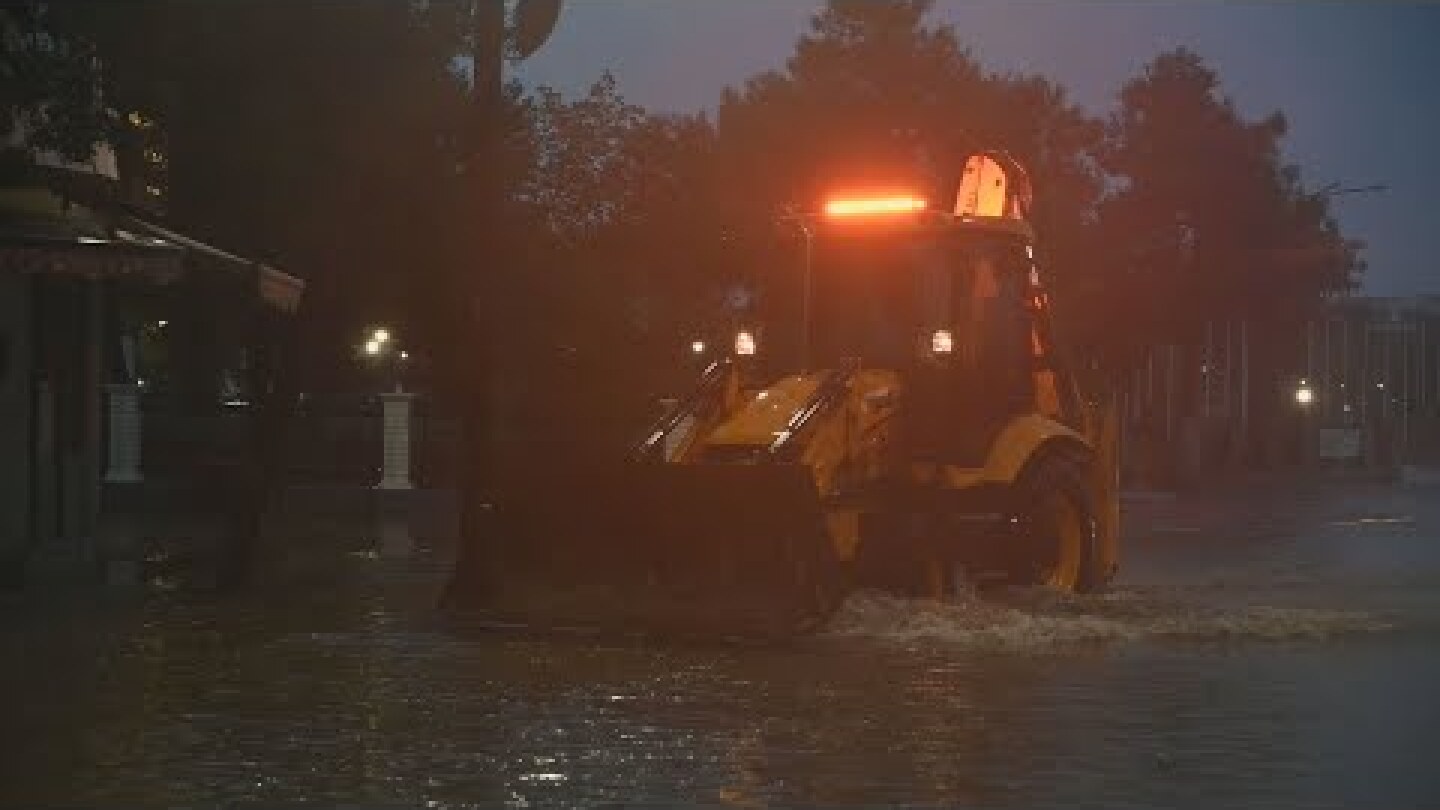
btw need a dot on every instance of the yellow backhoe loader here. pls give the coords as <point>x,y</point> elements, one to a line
<point>900,419</point>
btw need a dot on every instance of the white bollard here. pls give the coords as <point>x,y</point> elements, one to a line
<point>395,472</point>
<point>123,465</point>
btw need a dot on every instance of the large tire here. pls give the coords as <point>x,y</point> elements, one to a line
<point>1056,521</point>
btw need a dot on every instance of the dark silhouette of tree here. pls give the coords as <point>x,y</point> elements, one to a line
<point>1209,225</point>
<point>47,84</point>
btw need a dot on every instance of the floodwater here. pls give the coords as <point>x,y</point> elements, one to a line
<point>1271,649</point>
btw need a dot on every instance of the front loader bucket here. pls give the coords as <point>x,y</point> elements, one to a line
<point>670,548</point>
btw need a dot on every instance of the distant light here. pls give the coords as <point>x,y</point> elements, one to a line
<point>372,347</point>
<point>404,355</point>
<point>874,206</point>
<point>1304,395</point>
<point>1380,385</point>
<point>90,240</point>
<point>380,335</point>
<point>140,383</point>
<point>162,323</point>
<point>697,347</point>
<point>942,342</point>
<point>744,343</point>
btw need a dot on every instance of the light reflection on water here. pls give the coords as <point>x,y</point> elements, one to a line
<point>1314,693</point>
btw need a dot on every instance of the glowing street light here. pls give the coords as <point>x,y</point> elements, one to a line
<point>1304,395</point>
<point>380,335</point>
<point>745,343</point>
<point>697,347</point>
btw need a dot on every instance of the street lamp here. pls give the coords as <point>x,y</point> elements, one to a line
<point>1335,189</point>
<point>807,228</point>
<point>379,348</point>
<point>697,347</point>
<point>1304,395</point>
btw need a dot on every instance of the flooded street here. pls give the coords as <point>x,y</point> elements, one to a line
<point>1276,649</point>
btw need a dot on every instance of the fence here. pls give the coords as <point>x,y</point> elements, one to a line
<point>320,449</point>
<point>1369,366</point>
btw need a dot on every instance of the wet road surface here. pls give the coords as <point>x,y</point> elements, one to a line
<point>1274,649</point>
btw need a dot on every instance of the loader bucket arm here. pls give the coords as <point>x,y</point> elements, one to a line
<point>708,400</point>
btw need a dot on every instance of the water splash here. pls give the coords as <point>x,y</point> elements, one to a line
<point>1040,620</point>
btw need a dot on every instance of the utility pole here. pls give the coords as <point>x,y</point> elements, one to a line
<point>471,296</point>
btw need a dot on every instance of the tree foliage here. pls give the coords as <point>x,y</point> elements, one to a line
<point>48,87</point>
<point>1208,223</point>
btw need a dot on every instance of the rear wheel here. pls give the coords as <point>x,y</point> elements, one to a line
<point>1055,546</point>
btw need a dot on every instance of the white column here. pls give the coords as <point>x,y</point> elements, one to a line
<point>396,427</point>
<point>124,457</point>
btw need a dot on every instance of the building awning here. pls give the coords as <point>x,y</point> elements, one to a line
<point>42,233</point>
<point>275,287</point>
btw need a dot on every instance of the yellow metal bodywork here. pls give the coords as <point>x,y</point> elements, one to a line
<point>761,417</point>
<point>1008,454</point>
<point>847,447</point>
<point>850,446</point>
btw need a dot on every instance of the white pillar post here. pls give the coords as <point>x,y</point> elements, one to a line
<point>123,466</point>
<point>395,472</point>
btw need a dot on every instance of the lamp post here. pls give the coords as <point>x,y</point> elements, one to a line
<point>1336,190</point>
<point>1328,392</point>
<point>1330,191</point>
<point>807,229</point>
<point>379,348</point>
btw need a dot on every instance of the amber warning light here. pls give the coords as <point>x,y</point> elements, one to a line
<point>874,206</point>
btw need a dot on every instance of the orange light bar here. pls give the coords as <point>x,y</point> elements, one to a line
<point>875,206</point>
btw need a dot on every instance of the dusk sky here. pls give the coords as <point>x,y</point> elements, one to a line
<point>1356,80</point>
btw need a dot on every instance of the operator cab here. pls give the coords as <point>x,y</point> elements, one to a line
<point>951,302</point>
